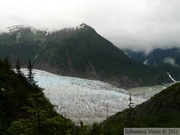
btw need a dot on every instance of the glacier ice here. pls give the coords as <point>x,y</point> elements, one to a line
<point>82,99</point>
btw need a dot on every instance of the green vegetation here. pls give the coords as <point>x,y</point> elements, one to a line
<point>27,46</point>
<point>163,110</point>
<point>24,110</point>
<point>21,102</point>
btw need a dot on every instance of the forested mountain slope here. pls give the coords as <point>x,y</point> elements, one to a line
<point>162,110</point>
<point>24,109</point>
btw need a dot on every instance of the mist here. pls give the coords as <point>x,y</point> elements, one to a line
<point>140,25</point>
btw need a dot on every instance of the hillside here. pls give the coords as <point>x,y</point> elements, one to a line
<point>163,59</point>
<point>24,109</point>
<point>162,110</point>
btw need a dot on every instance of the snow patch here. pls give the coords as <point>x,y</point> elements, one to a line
<point>145,62</point>
<point>80,26</point>
<point>171,77</point>
<point>11,29</point>
<point>18,37</point>
<point>47,33</point>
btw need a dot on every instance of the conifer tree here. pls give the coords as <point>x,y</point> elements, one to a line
<point>18,67</point>
<point>30,77</point>
<point>7,64</point>
<point>131,111</point>
<point>38,94</point>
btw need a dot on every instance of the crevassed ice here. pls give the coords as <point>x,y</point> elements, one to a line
<point>82,99</point>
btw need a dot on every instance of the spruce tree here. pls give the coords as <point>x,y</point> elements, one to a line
<point>37,96</point>
<point>131,111</point>
<point>7,64</point>
<point>18,67</point>
<point>30,77</point>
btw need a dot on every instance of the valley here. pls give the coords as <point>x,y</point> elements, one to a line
<point>89,67</point>
<point>86,77</point>
<point>89,100</point>
<point>82,99</point>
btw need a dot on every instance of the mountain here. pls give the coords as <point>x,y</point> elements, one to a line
<point>162,59</point>
<point>157,57</point>
<point>162,110</point>
<point>79,52</point>
<point>84,53</point>
<point>22,42</point>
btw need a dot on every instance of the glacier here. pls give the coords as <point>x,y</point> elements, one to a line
<point>82,99</point>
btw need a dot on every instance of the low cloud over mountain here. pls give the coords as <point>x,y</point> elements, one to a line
<point>138,24</point>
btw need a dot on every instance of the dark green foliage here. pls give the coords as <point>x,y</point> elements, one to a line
<point>7,63</point>
<point>24,109</point>
<point>27,47</point>
<point>82,129</point>
<point>18,67</point>
<point>163,110</point>
<point>161,120</point>
<point>30,77</point>
<point>42,121</point>
<point>4,118</point>
<point>96,129</point>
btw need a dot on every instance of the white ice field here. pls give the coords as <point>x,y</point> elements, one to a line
<point>82,99</point>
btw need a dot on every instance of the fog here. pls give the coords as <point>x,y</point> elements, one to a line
<point>136,24</point>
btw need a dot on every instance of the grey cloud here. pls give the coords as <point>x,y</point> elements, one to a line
<point>137,24</point>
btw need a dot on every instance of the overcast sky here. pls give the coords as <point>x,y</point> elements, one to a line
<point>138,24</point>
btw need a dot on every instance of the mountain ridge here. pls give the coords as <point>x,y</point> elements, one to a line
<point>86,49</point>
<point>79,52</point>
